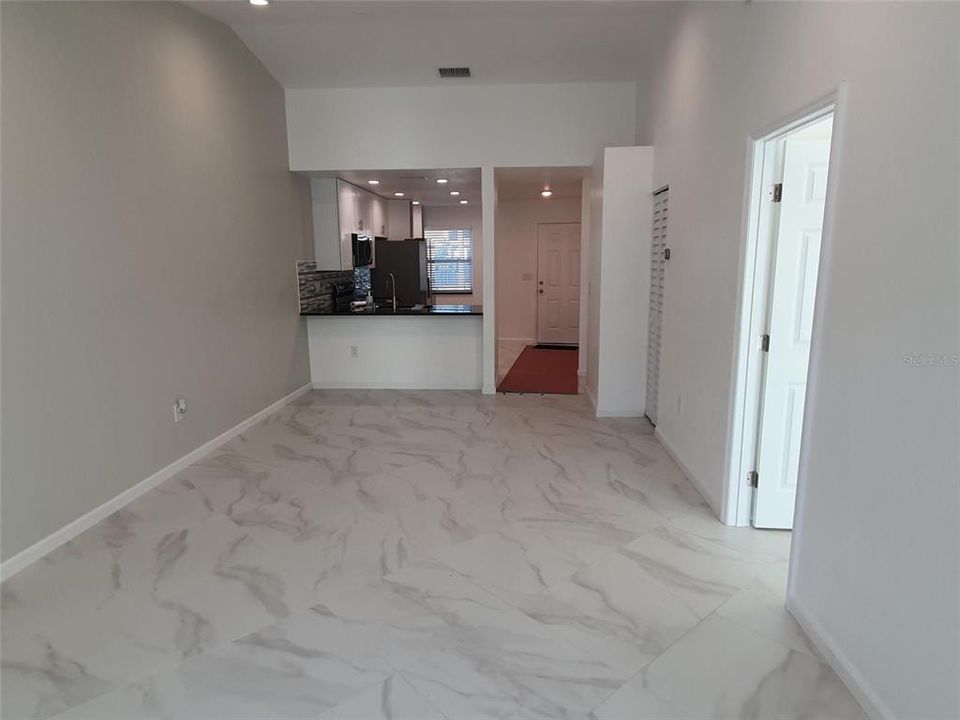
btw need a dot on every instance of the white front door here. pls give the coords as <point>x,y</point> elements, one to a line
<point>558,283</point>
<point>790,321</point>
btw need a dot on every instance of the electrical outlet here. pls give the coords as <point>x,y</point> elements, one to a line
<point>179,409</point>
<point>354,352</point>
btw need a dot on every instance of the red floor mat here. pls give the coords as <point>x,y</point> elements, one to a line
<point>542,371</point>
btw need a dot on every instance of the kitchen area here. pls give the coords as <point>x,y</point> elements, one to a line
<point>393,298</point>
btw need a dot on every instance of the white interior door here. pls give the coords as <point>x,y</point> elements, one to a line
<point>658,262</point>
<point>558,283</point>
<point>790,320</point>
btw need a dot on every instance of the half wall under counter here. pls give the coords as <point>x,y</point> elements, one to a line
<point>436,348</point>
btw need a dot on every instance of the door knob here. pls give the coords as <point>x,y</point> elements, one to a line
<point>540,291</point>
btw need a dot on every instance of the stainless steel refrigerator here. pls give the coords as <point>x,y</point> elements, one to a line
<point>407,260</point>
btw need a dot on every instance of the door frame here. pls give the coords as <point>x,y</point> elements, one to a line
<point>753,294</point>
<point>536,287</point>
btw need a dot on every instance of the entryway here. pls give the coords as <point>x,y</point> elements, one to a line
<point>539,297</point>
<point>780,282</point>
<point>549,369</point>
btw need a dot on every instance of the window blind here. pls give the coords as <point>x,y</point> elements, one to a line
<point>450,260</point>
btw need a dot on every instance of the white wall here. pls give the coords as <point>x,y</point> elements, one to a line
<point>516,280</point>
<point>490,201</point>
<point>620,281</point>
<point>458,126</point>
<point>446,217</point>
<point>485,126</point>
<point>876,560</point>
<point>396,352</point>
<point>594,192</point>
<point>586,242</point>
<point>150,233</point>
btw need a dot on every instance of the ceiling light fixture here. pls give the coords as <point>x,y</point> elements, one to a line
<point>260,3</point>
<point>454,192</point>
<point>442,181</point>
<point>415,202</point>
<point>373,182</point>
<point>398,194</point>
<point>464,202</point>
<point>546,192</point>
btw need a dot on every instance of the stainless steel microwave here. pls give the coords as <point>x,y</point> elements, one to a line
<point>362,250</point>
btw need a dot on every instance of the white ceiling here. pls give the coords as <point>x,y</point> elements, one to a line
<point>512,183</point>
<point>527,183</point>
<point>419,185</point>
<point>354,43</point>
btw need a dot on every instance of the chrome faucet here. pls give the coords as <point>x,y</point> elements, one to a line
<point>393,288</point>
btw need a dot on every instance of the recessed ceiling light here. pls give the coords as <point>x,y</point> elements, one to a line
<point>398,194</point>
<point>454,192</point>
<point>415,202</point>
<point>546,193</point>
<point>464,202</point>
<point>260,3</point>
<point>442,181</point>
<point>373,182</point>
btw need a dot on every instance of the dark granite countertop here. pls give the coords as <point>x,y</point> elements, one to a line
<point>428,310</point>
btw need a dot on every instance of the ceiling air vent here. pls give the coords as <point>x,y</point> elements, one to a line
<point>454,72</point>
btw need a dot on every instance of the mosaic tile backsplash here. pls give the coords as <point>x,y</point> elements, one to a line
<point>314,286</point>
<point>361,281</point>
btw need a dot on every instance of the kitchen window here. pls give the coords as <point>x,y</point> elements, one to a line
<point>450,260</point>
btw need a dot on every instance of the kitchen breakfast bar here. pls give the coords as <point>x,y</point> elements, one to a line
<point>429,347</point>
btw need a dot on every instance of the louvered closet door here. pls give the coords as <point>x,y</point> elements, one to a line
<point>657,276</point>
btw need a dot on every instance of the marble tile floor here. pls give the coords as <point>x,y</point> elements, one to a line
<point>421,556</point>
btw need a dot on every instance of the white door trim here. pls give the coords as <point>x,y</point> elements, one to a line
<point>745,383</point>
<point>735,501</point>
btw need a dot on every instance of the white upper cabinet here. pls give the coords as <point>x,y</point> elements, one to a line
<point>326,223</point>
<point>360,211</point>
<point>378,216</point>
<point>348,205</point>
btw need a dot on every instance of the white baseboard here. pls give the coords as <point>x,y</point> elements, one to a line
<point>588,391</point>
<point>65,534</point>
<point>864,693</point>
<point>609,413</point>
<point>712,501</point>
<point>400,385</point>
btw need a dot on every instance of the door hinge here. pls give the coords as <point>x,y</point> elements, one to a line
<point>765,343</point>
<point>753,479</point>
<point>777,192</point>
